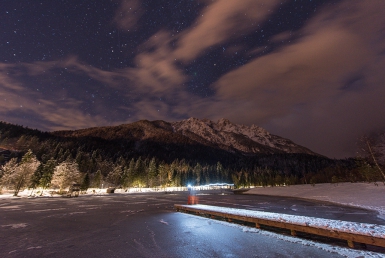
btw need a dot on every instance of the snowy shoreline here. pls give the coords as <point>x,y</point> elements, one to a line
<point>364,195</point>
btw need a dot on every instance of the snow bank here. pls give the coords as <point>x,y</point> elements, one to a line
<point>91,191</point>
<point>365,195</point>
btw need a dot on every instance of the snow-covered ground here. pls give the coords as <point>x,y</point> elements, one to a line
<point>365,195</point>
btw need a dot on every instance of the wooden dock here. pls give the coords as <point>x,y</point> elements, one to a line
<point>230,214</point>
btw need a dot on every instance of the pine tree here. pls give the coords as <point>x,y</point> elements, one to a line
<point>97,180</point>
<point>198,173</point>
<point>131,172</point>
<point>162,174</point>
<point>152,172</point>
<point>140,173</point>
<point>85,183</point>
<point>125,179</point>
<point>35,180</point>
<point>219,172</point>
<point>48,170</point>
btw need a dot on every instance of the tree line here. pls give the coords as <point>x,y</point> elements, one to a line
<point>41,160</point>
<point>28,171</point>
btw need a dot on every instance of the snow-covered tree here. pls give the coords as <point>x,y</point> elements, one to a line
<point>18,176</point>
<point>7,172</point>
<point>373,147</point>
<point>66,173</point>
<point>114,177</point>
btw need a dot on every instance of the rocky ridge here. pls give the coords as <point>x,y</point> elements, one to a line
<point>222,135</point>
<point>234,137</point>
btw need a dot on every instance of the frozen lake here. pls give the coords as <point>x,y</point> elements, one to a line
<point>146,225</point>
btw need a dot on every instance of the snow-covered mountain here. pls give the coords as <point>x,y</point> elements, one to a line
<point>235,137</point>
<point>192,136</point>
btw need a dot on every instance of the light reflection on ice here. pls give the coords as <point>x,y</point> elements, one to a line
<point>345,252</point>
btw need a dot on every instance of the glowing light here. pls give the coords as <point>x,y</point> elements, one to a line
<point>210,186</point>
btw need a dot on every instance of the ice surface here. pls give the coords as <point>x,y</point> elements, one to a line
<point>345,252</point>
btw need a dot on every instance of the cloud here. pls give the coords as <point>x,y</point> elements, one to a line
<point>220,21</point>
<point>307,70</point>
<point>156,70</point>
<point>74,65</point>
<point>20,102</point>
<point>6,82</point>
<point>128,14</point>
<point>151,90</point>
<point>322,91</point>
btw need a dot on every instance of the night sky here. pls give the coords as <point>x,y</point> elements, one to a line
<point>311,71</point>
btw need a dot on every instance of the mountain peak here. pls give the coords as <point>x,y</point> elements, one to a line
<point>192,119</point>
<point>223,121</point>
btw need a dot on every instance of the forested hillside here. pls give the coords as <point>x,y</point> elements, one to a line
<point>99,156</point>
